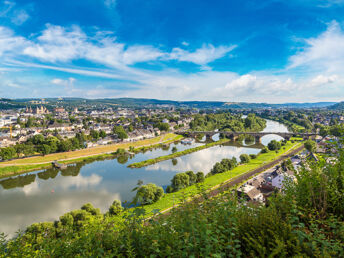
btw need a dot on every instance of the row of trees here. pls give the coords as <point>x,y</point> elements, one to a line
<point>224,165</point>
<point>228,122</point>
<point>182,180</point>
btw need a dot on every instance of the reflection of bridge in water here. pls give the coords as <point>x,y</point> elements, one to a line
<point>235,135</point>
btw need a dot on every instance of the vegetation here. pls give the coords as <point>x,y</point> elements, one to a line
<point>305,221</point>
<point>310,145</point>
<point>18,166</point>
<point>227,122</point>
<point>244,158</point>
<point>148,194</point>
<point>224,165</point>
<point>274,145</point>
<point>175,154</point>
<point>183,180</point>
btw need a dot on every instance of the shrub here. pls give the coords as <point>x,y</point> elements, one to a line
<point>253,156</point>
<point>264,150</point>
<point>244,158</point>
<point>274,145</point>
<point>180,181</point>
<point>200,177</point>
<point>115,208</point>
<point>147,194</point>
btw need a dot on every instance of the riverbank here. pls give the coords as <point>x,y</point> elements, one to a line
<point>263,162</point>
<point>176,154</point>
<point>19,166</point>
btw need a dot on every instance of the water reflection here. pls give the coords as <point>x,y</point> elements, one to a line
<point>46,195</point>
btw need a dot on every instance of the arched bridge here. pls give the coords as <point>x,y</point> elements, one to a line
<point>256,135</point>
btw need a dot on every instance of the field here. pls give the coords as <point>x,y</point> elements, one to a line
<point>28,164</point>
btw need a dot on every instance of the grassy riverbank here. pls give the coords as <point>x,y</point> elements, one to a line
<point>175,155</point>
<point>211,182</point>
<point>18,166</point>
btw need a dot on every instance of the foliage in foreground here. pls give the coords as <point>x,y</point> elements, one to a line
<point>305,221</point>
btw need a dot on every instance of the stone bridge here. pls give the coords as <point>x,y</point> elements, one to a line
<point>235,135</point>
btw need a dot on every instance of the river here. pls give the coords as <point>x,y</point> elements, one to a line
<point>45,195</point>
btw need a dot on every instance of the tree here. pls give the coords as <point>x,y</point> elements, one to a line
<point>180,181</point>
<point>119,130</point>
<point>174,149</point>
<point>116,208</point>
<point>44,149</point>
<point>200,177</point>
<point>8,153</point>
<point>94,134</point>
<point>102,134</point>
<point>192,177</point>
<point>244,158</point>
<point>310,146</point>
<point>147,194</point>
<point>163,126</point>
<point>274,145</point>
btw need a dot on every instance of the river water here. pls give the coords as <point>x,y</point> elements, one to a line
<point>45,195</point>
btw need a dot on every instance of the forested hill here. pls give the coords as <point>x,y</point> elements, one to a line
<point>140,102</point>
<point>228,122</point>
<point>339,105</point>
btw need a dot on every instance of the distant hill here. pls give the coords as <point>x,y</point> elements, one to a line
<point>140,102</point>
<point>339,105</point>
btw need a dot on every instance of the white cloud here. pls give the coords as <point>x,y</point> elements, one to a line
<point>321,79</point>
<point>201,56</point>
<point>323,53</point>
<point>18,16</point>
<point>9,42</point>
<point>67,83</point>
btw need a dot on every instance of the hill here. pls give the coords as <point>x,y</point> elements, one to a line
<point>140,102</point>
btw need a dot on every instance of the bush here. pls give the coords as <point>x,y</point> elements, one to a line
<point>147,194</point>
<point>274,145</point>
<point>264,150</point>
<point>253,156</point>
<point>115,208</point>
<point>224,165</point>
<point>244,158</point>
<point>200,177</point>
<point>180,181</point>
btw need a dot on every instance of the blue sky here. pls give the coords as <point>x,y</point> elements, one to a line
<point>249,50</point>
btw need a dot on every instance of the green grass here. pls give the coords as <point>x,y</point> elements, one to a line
<point>170,199</point>
<point>12,170</point>
<point>175,155</point>
<point>16,170</point>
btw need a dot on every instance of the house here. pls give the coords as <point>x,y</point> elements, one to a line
<point>250,193</point>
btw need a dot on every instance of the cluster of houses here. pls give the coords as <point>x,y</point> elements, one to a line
<point>259,188</point>
<point>66,129</point>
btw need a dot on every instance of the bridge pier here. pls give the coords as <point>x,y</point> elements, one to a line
<point>257,139</point>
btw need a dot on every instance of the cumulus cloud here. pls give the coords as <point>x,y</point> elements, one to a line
<point>67,83</point>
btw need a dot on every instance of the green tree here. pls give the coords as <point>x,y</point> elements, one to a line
<point>147,194</point>
<point>274,145</point>
<point>115,208</point>
<point>180,180</point>
<point>244,158</point>
<point>200,177</point>
<point>310,145</point>
<point>121,133</point>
